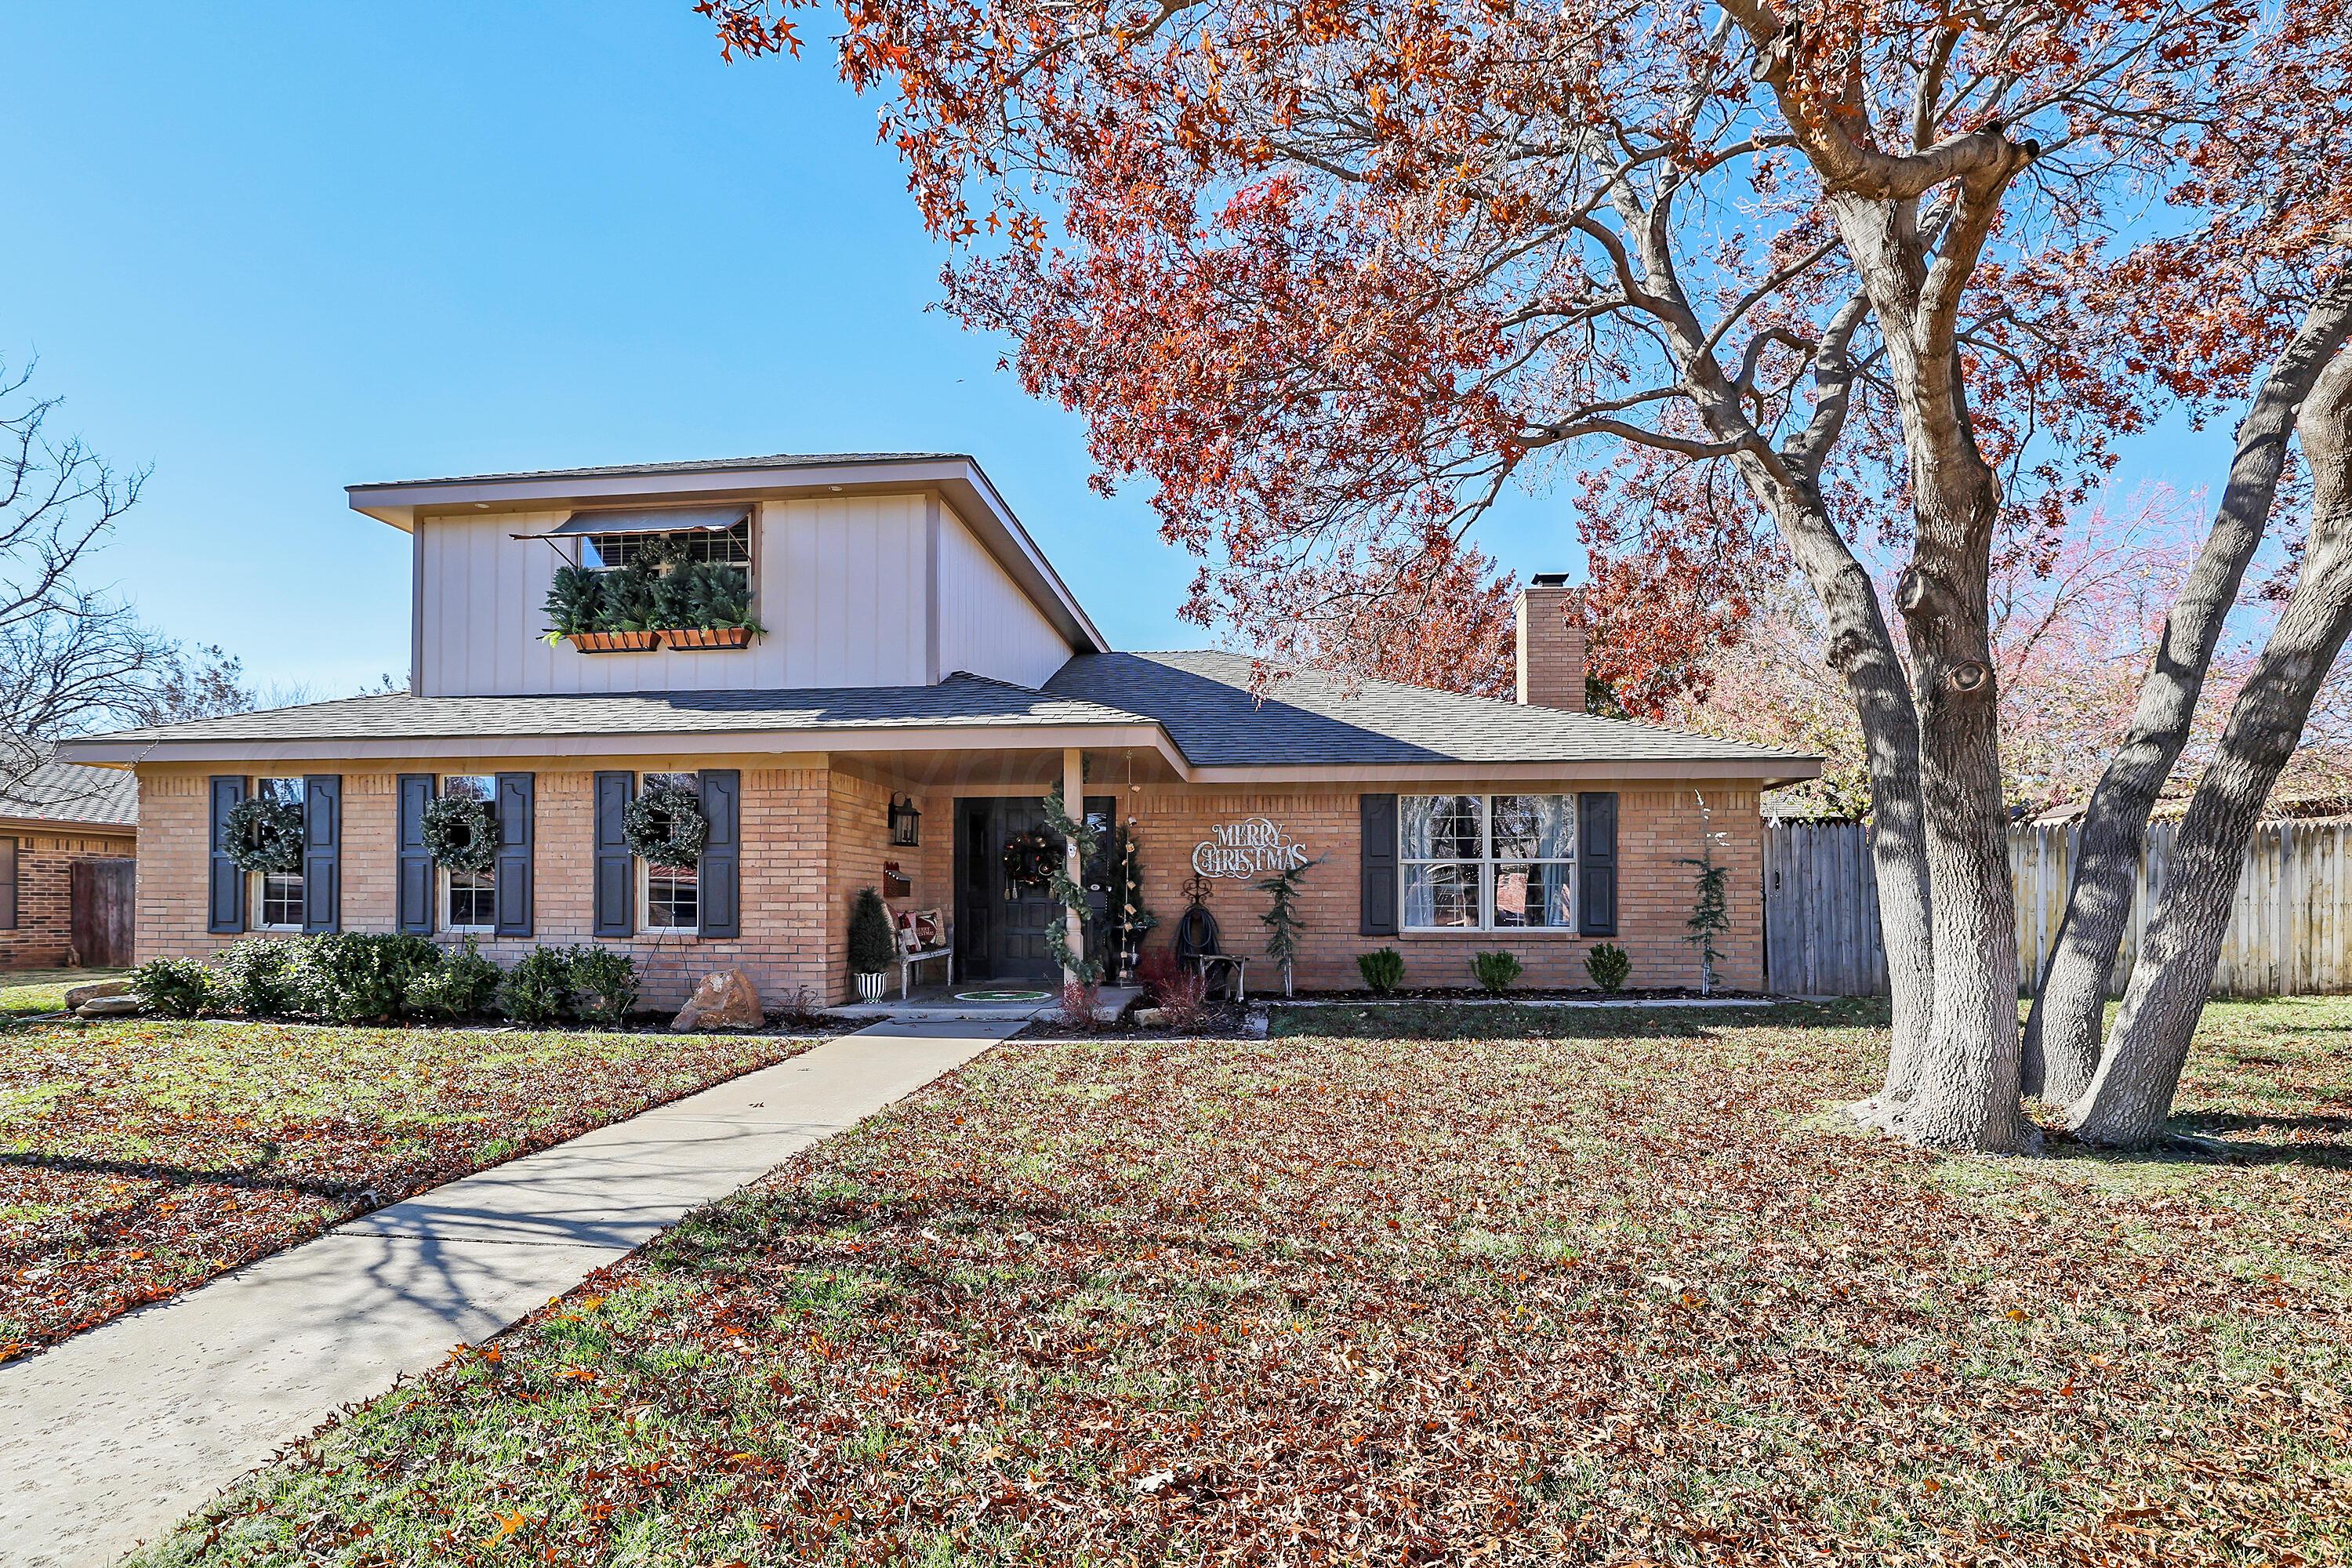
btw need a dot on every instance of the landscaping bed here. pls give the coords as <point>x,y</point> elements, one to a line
<point>1585,1286</point>
<point>141,1157</point>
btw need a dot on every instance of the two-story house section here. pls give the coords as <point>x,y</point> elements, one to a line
<point>859,670</point>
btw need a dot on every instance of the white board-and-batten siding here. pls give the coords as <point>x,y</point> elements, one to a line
<point>844,586</point>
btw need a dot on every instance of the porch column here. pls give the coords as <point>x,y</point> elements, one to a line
<point>1073,801</point>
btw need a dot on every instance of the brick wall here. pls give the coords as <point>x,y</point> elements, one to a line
<point>43,937</point>
<point>1655,828</point>
<point>813,835</point>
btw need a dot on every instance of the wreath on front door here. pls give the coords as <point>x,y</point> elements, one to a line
<point>264,835</point>
<point>461,833</point>
<point>665,826</point>
<point>1030,858</point>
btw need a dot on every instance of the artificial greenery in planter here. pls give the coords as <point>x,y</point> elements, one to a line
<point>654,601</point>
<point>461,833</point>
<point>264,835</point>
<point>871,947</point>
<point>664,826</point>
<point>703,604</point>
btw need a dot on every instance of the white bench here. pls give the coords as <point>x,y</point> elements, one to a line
<point>919,936</point>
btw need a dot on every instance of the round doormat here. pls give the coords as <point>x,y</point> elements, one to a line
<point>1003,995</point>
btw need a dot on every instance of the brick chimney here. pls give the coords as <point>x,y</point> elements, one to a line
<point>1551,652</point>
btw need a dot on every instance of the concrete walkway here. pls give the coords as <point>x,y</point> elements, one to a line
<point>114,1436</point>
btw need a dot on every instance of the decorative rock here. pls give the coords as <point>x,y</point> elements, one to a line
<point>77,996</point>
<point>725,1000</point>
<point>108,1007</point>
<point>1149,1018</point>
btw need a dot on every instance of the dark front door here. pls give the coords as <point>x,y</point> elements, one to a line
<point>1000,924</point>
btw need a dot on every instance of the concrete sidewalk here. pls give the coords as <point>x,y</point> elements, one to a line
<point>114,1436</point>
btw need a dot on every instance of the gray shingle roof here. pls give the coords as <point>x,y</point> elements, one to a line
<point>961,698</point>
<point>1204,702</point>
<point>691,466</point>
<point>68,792</point>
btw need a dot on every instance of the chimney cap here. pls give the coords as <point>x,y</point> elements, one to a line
<point>1550,580</point>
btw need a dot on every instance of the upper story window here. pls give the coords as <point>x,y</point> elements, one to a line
<point>277,896</point>
<point>722,546</point>
<point>1488,862</point>
<point>470,900</point>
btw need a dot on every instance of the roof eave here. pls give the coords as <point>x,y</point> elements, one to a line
<point>957,477</point>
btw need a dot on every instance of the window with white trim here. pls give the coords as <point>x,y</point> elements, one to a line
<point>669,898</point>
<point>470,900</point>
<point>1471,862</point>
<point>277,896</point>
<point>725,546</point>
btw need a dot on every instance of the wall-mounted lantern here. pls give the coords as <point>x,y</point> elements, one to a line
<point>906,823</point>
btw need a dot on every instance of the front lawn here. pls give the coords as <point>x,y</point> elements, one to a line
<point>1569,1285</point>
<point>33,991</point>
<point>140,1157</point>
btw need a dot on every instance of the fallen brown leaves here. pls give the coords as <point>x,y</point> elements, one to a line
<point>139,1158</point>
<point>1373,1301</point>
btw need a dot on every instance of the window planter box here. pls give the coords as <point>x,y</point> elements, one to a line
<point>616,642</point>
<point>708,636</point>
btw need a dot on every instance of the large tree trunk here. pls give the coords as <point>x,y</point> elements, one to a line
<point>2131,1092</point>
<point>2061,1033</point>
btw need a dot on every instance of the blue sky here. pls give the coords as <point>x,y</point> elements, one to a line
<point>276,248</point>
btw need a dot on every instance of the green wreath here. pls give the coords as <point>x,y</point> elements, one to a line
<point>461,833</point>
<point>1030,859</point>
<point>665,826</point>
<point>264,835</point>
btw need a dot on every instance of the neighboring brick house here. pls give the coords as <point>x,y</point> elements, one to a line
<point>919,652</point>
<point>58,816</point>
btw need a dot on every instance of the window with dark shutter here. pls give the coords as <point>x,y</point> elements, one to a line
<point>617,872</point>
<point>1377,816</point>
<point>721,868</point>
<point>1596,863</point>
<point>225,906</point>
<point>322,852</point>
<point>514,870</point>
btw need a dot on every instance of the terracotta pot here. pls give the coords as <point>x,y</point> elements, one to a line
<point>616,642</point>
<point>708,636</point>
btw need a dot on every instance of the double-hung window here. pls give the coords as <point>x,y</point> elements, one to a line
<point>470,900</point>
<point>669,898</point>
<point>1501,862</point>
<point>278,895</point>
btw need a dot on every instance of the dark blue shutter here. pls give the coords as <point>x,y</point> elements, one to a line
<point>1377,865</point>
<point>616,869</point>
<point>322,852</point>
<point>513,876</point>
<point>1596,863</point>
<point>224,907</point>
<point>416,878</point>
<point>719,874</point>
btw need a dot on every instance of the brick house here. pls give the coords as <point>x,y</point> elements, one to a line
<point>922,679</point>
<point>69,838</point>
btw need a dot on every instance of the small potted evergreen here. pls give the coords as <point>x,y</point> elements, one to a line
<point>871,947</point>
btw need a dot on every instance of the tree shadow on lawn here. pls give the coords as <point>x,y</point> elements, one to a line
<point>249,1176</point>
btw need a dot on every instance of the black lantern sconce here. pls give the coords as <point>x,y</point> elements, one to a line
<point>906,823</point>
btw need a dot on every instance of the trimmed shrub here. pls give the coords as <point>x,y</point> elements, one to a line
<point>257,977</point>
<point>1497,970</point>
<point>870,945</point>
<point>1382,969</point>
<point>538,989</point>
<point>1609,964</point>
<point>361,977</point>
<point>463,986</point>
<point>173,987</point>
<point>604,985</point>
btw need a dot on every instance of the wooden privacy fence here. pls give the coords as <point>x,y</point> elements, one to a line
<point>2290,928</point>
